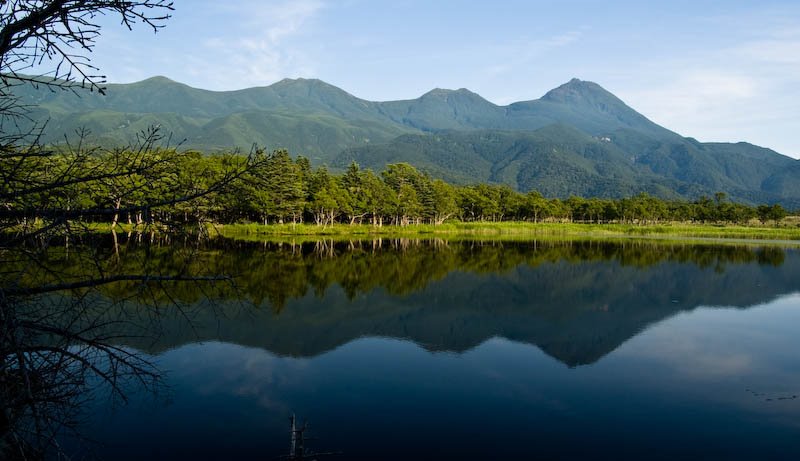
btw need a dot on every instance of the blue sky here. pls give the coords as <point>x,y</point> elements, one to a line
<point>714,70</point>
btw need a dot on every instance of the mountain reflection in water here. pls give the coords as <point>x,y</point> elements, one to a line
<point>325,329</point>
<point>577,301</point>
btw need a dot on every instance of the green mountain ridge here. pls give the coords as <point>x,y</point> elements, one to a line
<point>588,107</point>
<point>577,139</point>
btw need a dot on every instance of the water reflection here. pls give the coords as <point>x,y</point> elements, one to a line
<point>325,328</point>
<point>577,301</point>
<point>655,398</point>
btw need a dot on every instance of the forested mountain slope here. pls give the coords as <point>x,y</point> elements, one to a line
<point>576,139</point>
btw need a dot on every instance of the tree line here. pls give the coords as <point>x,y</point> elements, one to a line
<point>274,188</point>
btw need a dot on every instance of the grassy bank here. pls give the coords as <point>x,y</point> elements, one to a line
<point>512,229</point>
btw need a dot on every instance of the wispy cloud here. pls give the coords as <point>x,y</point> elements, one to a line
<point>262,50</point>
<point>513,55</point>
<point>509,59</point>
<point>778,51</point>
<point>696,91</point>
<point>724,72</point>
<point>730,94</point>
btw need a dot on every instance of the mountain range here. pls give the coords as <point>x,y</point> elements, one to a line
<point>578,139</point>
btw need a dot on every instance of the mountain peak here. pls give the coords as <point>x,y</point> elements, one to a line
<point>312,85</point>
<point>437,92</point>
<point>447,95</point>
<point>302,82</point>
<point>588,107</point>
<point>577,90</point>
<point>447,91</point>
<point>157,79</point>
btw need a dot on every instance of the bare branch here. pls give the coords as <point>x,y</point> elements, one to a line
<point>38,32</point>
<point>92,283</point>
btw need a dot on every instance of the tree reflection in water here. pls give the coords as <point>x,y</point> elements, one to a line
<point>65,317</point>
<point>81,320</point>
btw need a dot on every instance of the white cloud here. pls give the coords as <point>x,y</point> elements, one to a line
<point>262,51</point>
<point>693,356</point>
<point>740,93</point>
<point>696,92</point>
<point>228,369</point>
<point>774,51</point>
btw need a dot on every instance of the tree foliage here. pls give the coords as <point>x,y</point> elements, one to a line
<point>273,188</point>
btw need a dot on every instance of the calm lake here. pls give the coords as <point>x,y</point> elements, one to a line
<point>407,349</point>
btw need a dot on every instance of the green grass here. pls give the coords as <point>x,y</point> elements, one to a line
<point>788,233</point>
<point>516,230</point>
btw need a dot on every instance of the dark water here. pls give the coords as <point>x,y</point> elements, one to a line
<point>466,350</point>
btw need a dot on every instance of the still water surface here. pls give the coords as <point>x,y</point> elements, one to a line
<point>470,350</point>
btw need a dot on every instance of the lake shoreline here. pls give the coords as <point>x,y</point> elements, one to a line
<point>518,231</point>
